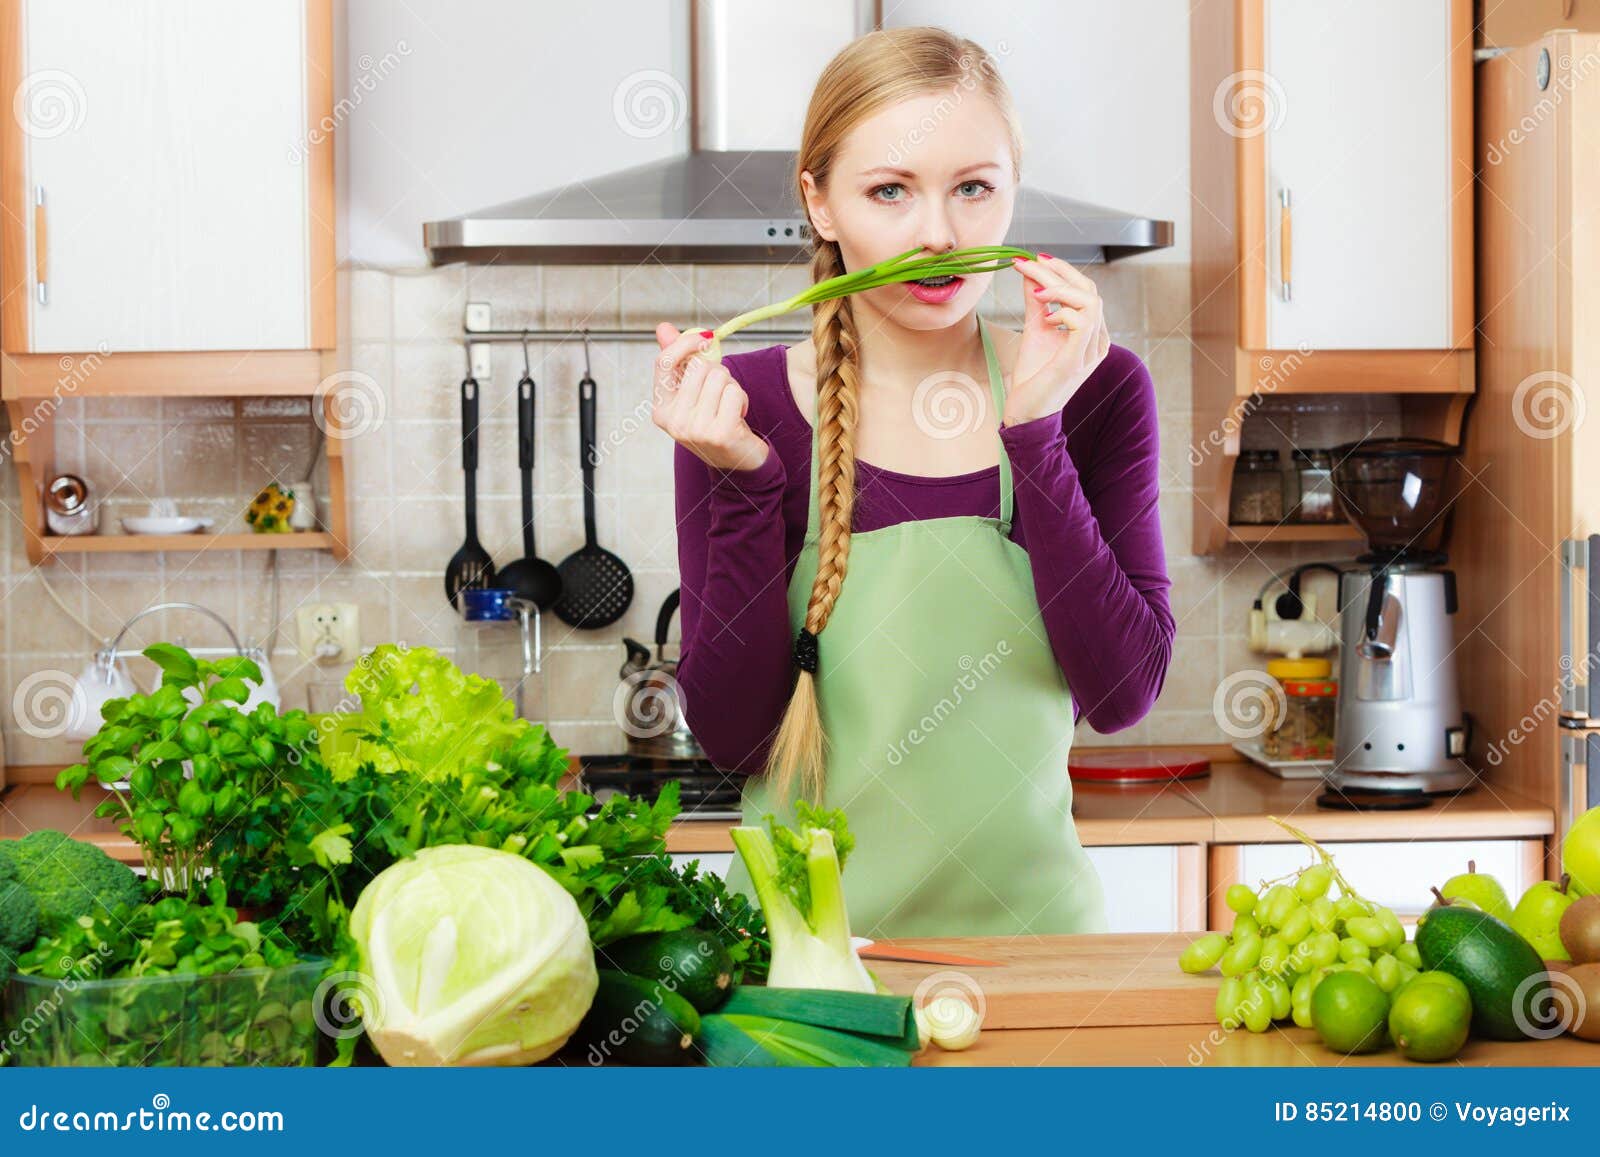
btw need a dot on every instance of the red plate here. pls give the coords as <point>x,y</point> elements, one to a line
<point>1136,765</point>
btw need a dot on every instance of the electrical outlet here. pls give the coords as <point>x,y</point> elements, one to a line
<point>329,632</point>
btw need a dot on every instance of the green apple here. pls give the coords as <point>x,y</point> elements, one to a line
<point>1580,853</point>
<point>1538,917</point>
<point>1480,889</point>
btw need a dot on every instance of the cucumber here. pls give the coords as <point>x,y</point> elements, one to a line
<point>689,962</point>
<point>635,1021</point>
<point>1500,969</point>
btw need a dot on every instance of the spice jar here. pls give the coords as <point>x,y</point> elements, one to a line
<point>1303,728</point>
<point>69,508</point>
<point>1257,495</point>
<point>1313,471</point>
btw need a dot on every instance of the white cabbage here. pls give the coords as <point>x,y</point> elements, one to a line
<point>474,956</point>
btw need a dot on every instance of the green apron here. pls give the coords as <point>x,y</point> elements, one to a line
<point>948,723</point>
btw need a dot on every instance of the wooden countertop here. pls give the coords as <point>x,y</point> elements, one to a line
<point>1122,1000</point>
<point>1229,806</point>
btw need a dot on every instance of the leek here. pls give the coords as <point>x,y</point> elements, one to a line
<point>796,876</point>
<point>906,267</point>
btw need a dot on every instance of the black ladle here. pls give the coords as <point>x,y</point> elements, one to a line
<point>530,576</point>
<point>470,568</point>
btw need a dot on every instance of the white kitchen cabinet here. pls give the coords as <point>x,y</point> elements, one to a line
<point>1142,884</point>
<point>716,863</point>
<point>1398,874</point>
<point>172,176</point>
<point>1357,102</point>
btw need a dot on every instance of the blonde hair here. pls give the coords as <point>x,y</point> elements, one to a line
<point>873,72</point>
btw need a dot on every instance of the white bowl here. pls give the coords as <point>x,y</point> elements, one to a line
<point>173,524</point>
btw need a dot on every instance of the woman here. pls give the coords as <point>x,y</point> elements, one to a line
<point>876,612</point>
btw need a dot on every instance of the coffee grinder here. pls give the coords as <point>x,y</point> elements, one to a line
<point>1400,733</point>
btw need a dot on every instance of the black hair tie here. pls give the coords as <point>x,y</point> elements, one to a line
<point>805,651</point>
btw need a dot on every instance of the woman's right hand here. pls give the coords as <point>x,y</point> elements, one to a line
<point>700,405</point>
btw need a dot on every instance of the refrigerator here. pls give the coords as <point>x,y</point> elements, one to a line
<point>1526,529</point>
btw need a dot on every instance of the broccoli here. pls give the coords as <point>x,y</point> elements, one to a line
<point>19,917</point>
<point>69,878</point>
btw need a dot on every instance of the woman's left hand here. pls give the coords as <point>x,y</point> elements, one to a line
<point>1054,361</point>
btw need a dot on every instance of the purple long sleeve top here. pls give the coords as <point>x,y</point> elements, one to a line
<point>1087,492</point>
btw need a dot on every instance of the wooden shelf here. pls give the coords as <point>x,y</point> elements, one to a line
<point>102,543</point>
<point>1296,532</point>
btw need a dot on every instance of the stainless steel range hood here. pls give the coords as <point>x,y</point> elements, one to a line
<point>729,201</point>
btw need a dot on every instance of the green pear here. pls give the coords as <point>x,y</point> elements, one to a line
<point>1538,917</point>
<point>1479,889</point>
<point>1580,853</point>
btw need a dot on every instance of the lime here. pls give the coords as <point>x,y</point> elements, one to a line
<point>1443,979</point>
<point>1429,1022</point>
<point>1349,1012</point>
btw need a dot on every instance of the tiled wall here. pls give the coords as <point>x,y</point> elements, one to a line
<point>403,330</point>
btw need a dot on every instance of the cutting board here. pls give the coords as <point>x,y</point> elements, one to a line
<point>1067,981</point>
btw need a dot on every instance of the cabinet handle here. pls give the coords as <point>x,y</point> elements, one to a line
<point>41,247</point>
<point>1285,240</point>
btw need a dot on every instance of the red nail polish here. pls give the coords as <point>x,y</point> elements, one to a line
<point>1038,289</point>
<point>1046,257</point>
<point>708,333</point>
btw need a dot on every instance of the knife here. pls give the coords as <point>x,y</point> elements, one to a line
<point>889,950</point>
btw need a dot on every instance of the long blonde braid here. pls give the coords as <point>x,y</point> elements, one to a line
<point>798,749</point>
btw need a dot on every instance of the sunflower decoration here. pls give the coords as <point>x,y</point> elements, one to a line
<point>269,512</point>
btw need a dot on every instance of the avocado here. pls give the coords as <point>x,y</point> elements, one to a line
<point>635,1021</point>
<point>1492,960</point>
<point>691,963</point>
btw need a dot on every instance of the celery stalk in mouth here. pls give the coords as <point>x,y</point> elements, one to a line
<point>906,267</point>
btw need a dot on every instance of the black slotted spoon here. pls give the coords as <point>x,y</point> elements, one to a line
<point>596,585</point>
<point>470,568</point>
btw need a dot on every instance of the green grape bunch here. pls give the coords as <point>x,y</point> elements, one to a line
<point>1291,933</point>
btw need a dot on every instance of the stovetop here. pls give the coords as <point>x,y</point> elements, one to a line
<point>704,791</point>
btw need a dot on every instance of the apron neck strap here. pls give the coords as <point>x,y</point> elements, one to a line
<point>997,393</point>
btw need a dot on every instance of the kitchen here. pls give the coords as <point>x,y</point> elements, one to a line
<point>272,464</point>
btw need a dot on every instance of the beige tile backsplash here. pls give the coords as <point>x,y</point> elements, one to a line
<point>403,330</point>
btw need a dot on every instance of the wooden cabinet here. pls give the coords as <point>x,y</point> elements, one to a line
<point>164,150</point>
<point>1331,178</point>
<point>166,220</point>
<point>168,184</point>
